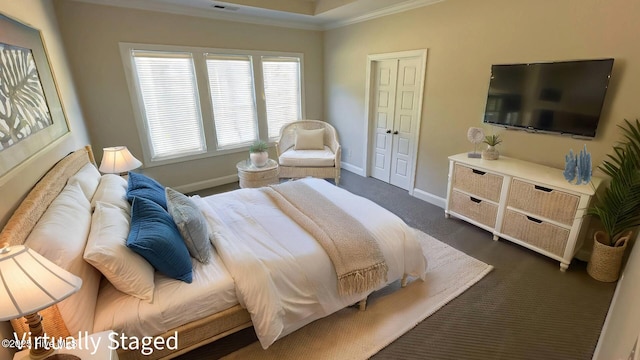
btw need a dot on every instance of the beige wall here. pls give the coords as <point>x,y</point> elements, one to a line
<point>92,33</point>
<point>39,14</point>
<point>464,38</point>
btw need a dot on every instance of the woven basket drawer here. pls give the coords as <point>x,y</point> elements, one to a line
<point>481,211</point>
<point>533,231</point>
<point>549,203</point>
<point>477,182</point>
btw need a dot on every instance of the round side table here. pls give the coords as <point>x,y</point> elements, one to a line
<point>253,177</point>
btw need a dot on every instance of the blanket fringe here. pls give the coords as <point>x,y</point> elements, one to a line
<point>362,280</point>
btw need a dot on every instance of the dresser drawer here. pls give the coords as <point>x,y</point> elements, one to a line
<point>536,232</point>
<point>481,211</point>
<point>485,185</point>
<point>549,203</point>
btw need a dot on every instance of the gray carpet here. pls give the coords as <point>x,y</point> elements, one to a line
<point>524,309</point>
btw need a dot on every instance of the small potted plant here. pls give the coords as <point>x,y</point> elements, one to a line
<point>491,153</point>
<point>258,153</point>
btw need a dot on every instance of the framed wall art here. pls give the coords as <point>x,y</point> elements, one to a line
<point>31,116</point>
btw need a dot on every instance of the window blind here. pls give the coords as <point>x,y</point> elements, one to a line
<point>167,86</point>
<point>282,92</point>
<point>233,99</point>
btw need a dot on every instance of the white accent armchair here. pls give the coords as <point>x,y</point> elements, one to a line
<point>309,148</point>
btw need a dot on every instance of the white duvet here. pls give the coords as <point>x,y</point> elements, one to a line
<point>282,275</point>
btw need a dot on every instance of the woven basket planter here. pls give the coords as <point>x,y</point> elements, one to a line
<point>604,264</point>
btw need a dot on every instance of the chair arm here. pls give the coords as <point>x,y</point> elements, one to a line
<point>284,143</point>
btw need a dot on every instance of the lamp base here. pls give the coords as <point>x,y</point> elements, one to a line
<point>35,327</point>
<point>40,354</point>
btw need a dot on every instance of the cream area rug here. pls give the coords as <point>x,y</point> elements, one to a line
<point>351,334</point>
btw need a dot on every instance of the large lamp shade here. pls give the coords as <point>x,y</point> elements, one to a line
<point>29,283</point>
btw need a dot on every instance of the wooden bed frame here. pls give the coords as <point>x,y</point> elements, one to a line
<point>27,215</point>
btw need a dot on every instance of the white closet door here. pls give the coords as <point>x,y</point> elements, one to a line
<point>384,100</point>
<point>396,106</point>
<point>405,121</point>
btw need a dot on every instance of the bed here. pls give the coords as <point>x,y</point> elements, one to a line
<point>251,262</point>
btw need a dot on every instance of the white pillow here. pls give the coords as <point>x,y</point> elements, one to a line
<point>309,139</point>
<point>60,236</point>
<point>112,190</point>
<point>88,177</point>
<point>107,250</point>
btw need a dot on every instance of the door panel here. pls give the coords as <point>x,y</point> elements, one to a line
<point>402,168</point>
<point>403,147</point>
<point>406,112</point>
<point>384,88</point>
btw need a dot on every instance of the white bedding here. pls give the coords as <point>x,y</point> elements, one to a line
<point>175,302</point>
<point>283,276</point>
<point>257,245</point>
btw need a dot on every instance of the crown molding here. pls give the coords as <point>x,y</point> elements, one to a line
<point>265,17</point>
<point>394,9</point>
<point>209,14</point>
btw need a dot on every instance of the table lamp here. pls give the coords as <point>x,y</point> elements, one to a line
<point>29,283</point>
<point>118,160</point>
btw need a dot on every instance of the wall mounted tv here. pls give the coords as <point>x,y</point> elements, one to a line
<point>555,97</point>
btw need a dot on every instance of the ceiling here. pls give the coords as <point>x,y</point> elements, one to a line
<point>304,14</point>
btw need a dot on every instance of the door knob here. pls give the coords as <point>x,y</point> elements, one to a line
<point>388,131</point>
<point>395,132</point>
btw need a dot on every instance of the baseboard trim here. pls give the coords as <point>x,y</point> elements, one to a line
<point>352,168</point>
<point>206,184</point>
<point>430,198</point>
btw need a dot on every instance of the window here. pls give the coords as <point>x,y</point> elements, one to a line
<point>281,92</point>
<point>170,103</point>
<point>197,102</point>
<point>232,96</point>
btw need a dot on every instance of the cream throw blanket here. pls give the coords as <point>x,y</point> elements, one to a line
<point>355,254</point>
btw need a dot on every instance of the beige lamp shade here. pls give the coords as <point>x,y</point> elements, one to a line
<point>118,160</point>
<point>29,282</point>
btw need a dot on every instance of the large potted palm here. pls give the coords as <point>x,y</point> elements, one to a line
<point>618,209</point>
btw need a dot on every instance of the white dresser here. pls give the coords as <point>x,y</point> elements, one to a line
<point>526,203</point>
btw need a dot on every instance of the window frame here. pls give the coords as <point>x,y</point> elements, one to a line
<point>199,55</point>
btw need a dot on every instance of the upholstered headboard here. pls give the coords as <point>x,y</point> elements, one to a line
<point>29,212</point>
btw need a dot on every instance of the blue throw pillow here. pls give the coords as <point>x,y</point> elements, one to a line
<point>146,187</point>
<point>155,237</point>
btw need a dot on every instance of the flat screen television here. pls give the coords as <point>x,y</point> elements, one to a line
<point>555,97</point>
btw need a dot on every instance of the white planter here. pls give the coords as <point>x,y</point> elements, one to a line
<point>259,159</point>
<point>491,153</point>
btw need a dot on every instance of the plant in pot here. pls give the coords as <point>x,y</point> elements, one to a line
<point>258,153</point>
<point>491,153</point>
<point>618,208</point>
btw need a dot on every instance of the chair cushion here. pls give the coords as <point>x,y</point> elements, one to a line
<point>309,139</point>
<point>307,158</point>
